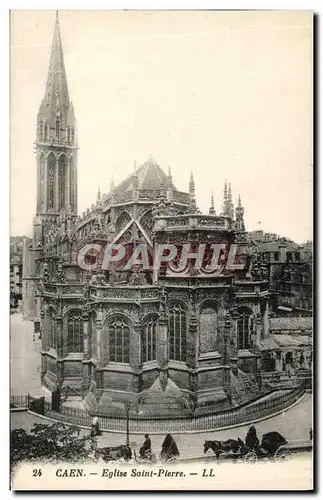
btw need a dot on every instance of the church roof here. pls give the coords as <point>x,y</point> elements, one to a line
<point>149,176</point>
<point>296,323</point>
<point>275,246</point>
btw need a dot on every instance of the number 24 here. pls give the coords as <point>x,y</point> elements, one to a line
<point>37,472</point>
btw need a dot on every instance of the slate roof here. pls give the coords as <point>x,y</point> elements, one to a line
<point>274,246</point>
<point>276,342</point>
<point>277,324</point>
<point>150,176</point>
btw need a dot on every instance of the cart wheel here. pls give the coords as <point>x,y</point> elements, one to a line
<point>251,458</point>
<point>282,454</point>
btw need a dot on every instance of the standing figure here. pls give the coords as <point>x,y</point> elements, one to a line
<point>146,447</point>
<point>252,440</point>
<point>95,430</point>
<point>169,449</point>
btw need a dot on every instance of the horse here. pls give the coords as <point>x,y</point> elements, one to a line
<point>219,447</point>
<point>114,453</point>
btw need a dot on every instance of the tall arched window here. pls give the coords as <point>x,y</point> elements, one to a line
<point>208,324</point>
<point>53,331</point>
<point>75,333</point>
<point>51,181</point>
<point>148,341</point>
<point>147,222</point>
<point>177,327</point>
<point>122,221</point>
<point>72,181</point>
<point>119,341</point>
<point>92,334</point>
<point>62,181</point>
<point>58,128</point>
<point>42,179</point>
<point>244,328</point>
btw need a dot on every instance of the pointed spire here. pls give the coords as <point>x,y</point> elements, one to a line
<point>192,185</point>
<point>169,177</point>
<point>56,115</point>
<point>225,198</point>
<point>112,185</point>
<point>56,87</point>
<point>230,208</point>
<point>229,193</point>
<point>135,176</point>
<point>98,196</point>
<point>212,209</point>
<point>239,222</point>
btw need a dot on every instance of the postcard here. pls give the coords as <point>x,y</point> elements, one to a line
<point>161,252</point>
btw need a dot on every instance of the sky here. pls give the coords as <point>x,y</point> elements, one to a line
<point>225,95</point>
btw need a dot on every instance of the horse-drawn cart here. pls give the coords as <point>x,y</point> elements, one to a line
<point>273,447</point>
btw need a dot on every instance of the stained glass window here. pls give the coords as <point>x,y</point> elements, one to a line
<point>244,329</point>
<point>208,330</point>
<point>177,328</point>
<point>119,341</point>
<point>75,333</point>
<point>148,342</point>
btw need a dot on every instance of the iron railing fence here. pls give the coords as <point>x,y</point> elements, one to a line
<point>164,423</point>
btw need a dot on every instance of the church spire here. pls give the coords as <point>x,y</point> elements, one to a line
<point>56,87</point>
<point>225,198</point>
<point>112,184</point>
<point>239,222</point>
<point>230,209</point>
<point>212,209</point>
<point>56,139</point>
<point>98,196</point>
<point>192,185</point>
<point>169,177</point>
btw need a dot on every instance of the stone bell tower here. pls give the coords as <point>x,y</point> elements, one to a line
<point>56,155</point>
<point>56,141</point>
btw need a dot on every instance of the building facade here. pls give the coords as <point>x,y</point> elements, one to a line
<point>16,253</point>
<point>167,338</point>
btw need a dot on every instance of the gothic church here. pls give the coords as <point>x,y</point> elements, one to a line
<point>159,341</point>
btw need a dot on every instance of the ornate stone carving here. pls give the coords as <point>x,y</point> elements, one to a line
<point>60,276</point>
<point>179,294</point>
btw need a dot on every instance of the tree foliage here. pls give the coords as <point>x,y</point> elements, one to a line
<point>57,442</point>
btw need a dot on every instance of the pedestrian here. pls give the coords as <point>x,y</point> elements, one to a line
<point>95,431</point>
<point>169,449</point>
<point>311,434</point>
<point>146,447</point>
<point>252,441</point>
